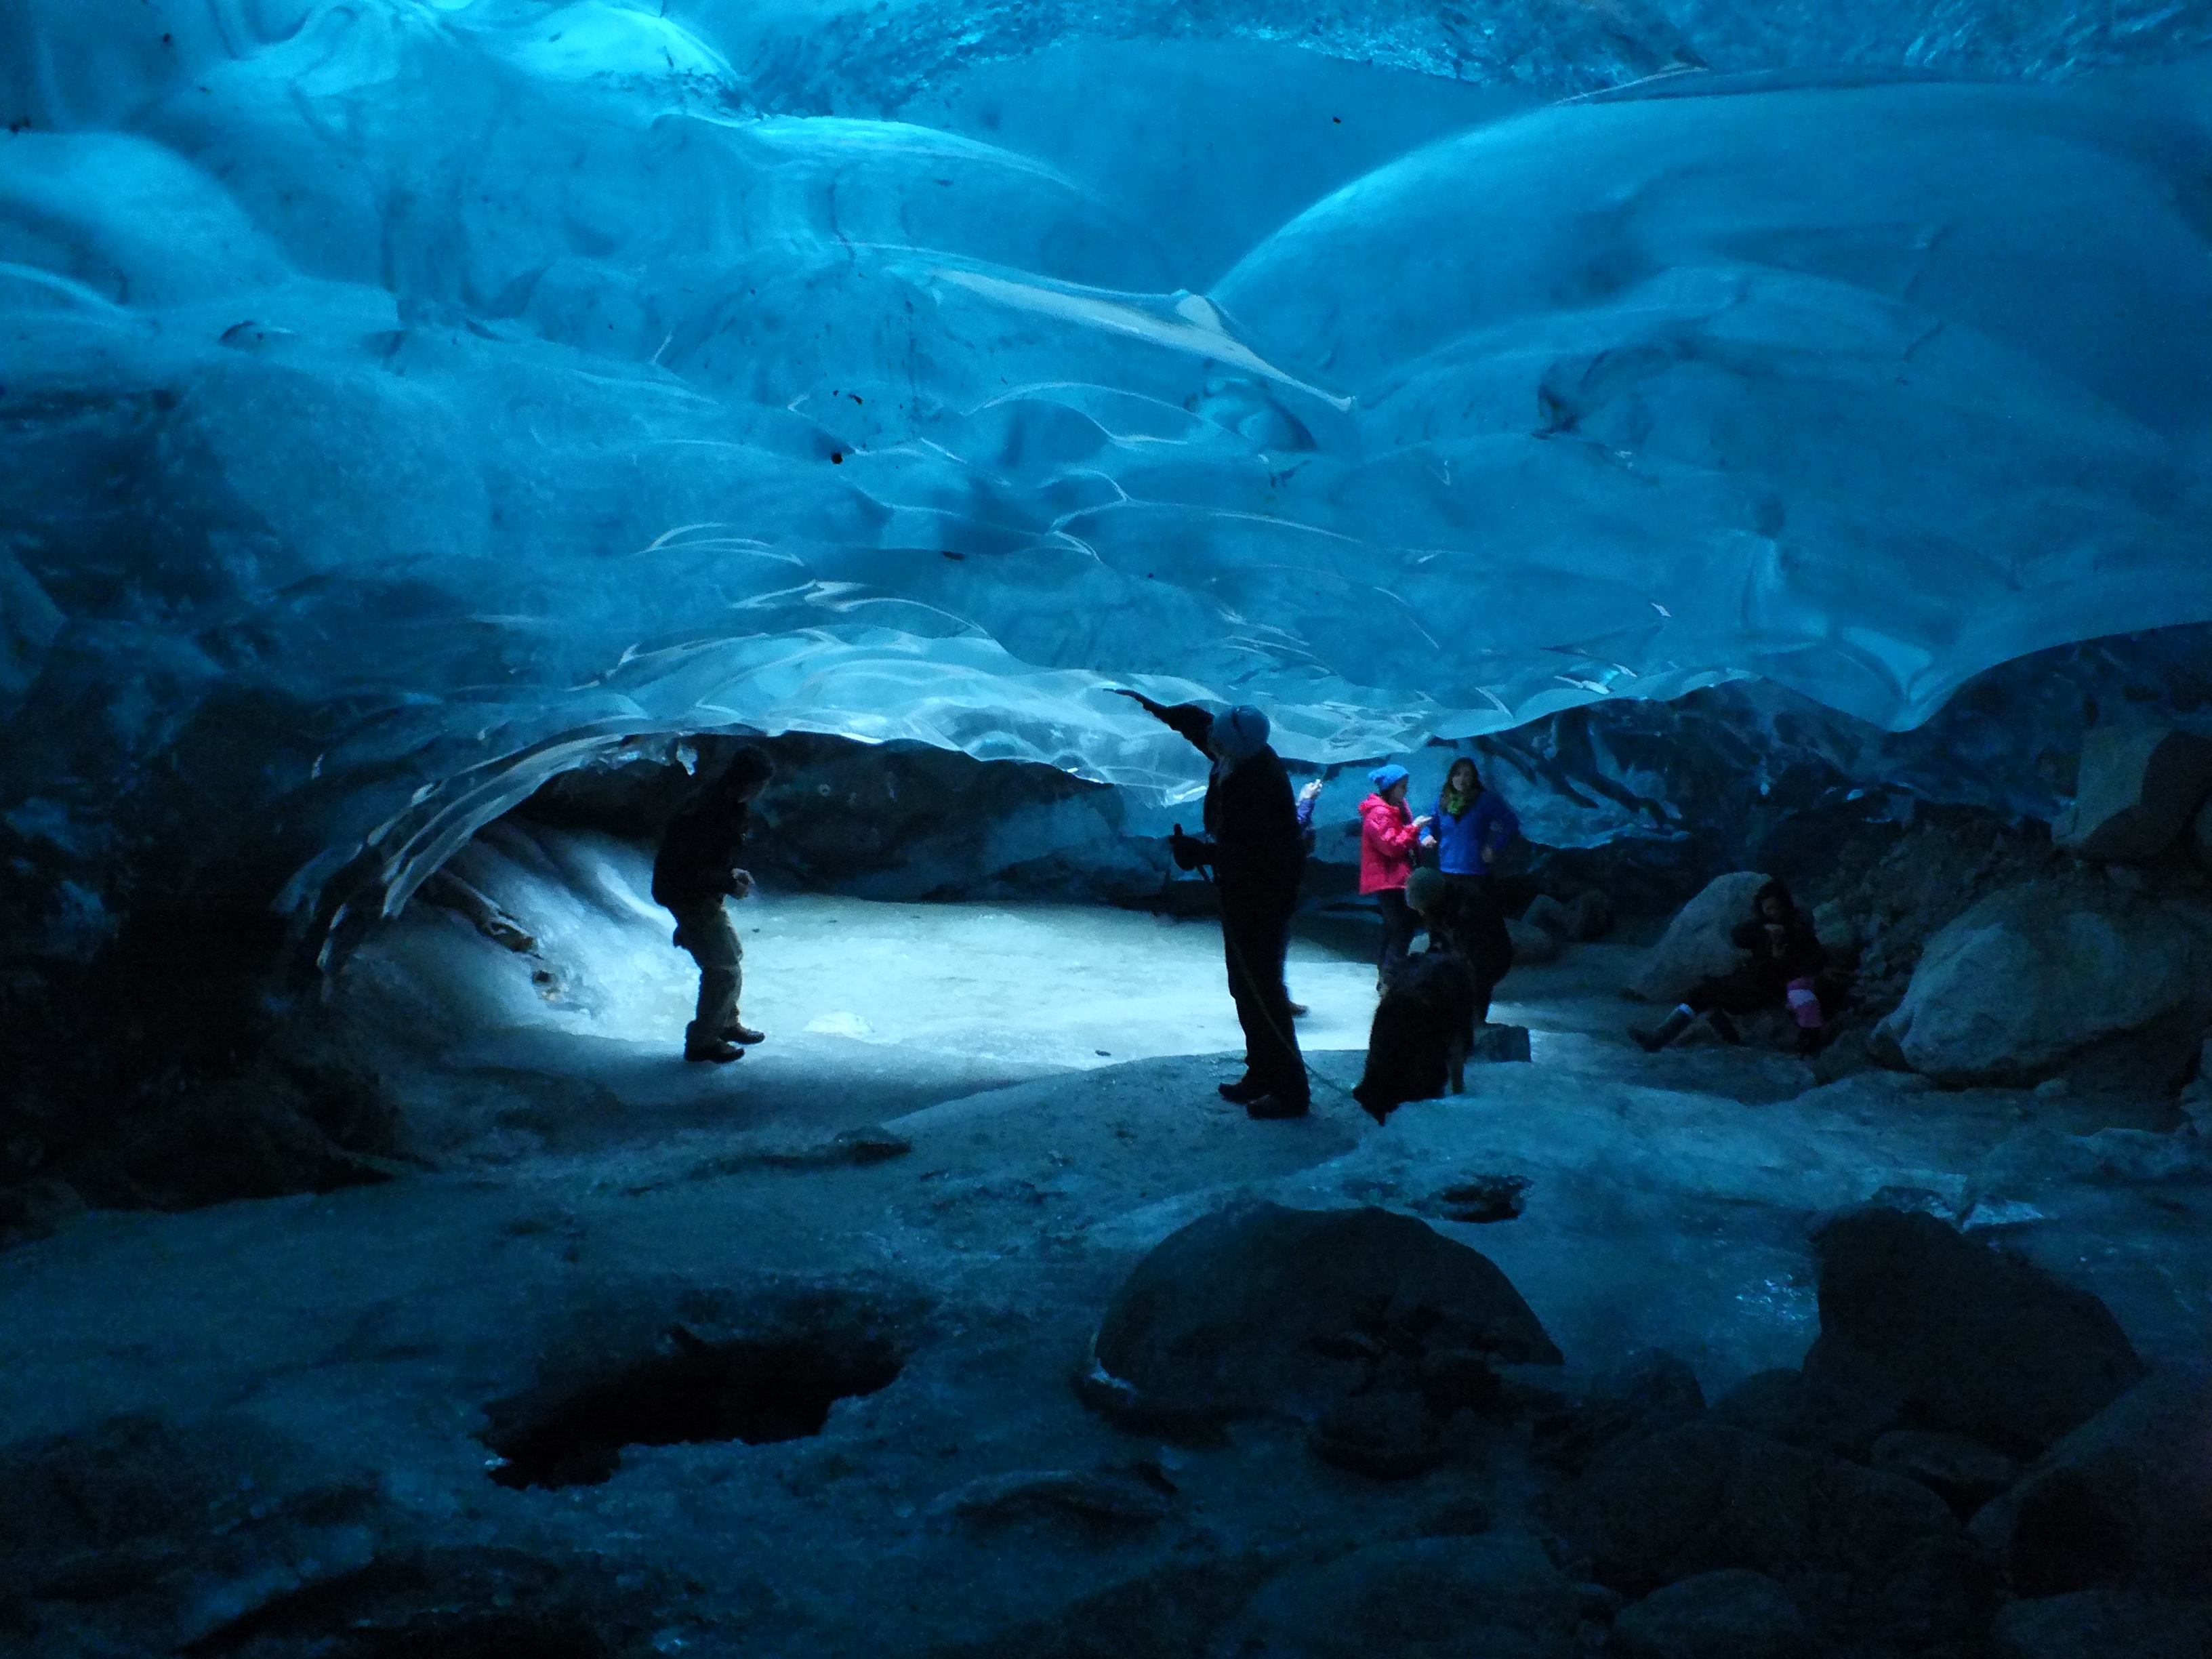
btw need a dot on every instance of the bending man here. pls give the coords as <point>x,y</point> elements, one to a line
<point>697,869</point>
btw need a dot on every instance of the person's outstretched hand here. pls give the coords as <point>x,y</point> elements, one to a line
<point>1311,791</point>
<point>741,883</point>
<point>1423,821</point>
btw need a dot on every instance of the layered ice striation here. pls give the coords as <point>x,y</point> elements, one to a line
<point>405,400</point>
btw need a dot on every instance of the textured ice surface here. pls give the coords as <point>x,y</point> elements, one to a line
<point>403,399</point>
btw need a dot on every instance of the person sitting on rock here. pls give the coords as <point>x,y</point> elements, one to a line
<point>1786,955</point>
<point>694,870</point>
<point>1464,921</point>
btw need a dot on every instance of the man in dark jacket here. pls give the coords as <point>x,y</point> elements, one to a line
<point>1257,851</point>
<point>696,869</point>
<point>1786,956</point>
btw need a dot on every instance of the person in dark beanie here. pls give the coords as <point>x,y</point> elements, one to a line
<point>1256,849</point>
<point>1785,958</point>
<point>697,868</point>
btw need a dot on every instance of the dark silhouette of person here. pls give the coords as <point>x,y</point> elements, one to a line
<point>1464,921</point>
<point>1786,956</point>
<point>1256,849</point>
<point>697,868</point>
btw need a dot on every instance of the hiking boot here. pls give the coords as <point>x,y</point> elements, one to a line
<point>1652,1039</point>
<point>1272,1105</point>
<point>1241,1092</point>
<point>718,1053</point>
<point>738,1031</point>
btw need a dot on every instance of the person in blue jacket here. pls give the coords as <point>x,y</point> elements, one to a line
<point>1470,825</point>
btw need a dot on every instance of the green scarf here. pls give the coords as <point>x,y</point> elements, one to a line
<point>1455,804</point>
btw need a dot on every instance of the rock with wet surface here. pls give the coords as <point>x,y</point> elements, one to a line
<point>2102,1625</point>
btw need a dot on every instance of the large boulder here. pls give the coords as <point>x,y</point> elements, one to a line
<point>1960,1336</point>
<point>1264,1308</point>
<point>1865,1555</point>
<point>2138,787</point>
<point>2081,977</point>
<point>1696,943</point>
<point>1494,1594</point>
<point>2122,1503</point>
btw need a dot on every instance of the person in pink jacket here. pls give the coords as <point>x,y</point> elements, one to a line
<point>1388,837</point>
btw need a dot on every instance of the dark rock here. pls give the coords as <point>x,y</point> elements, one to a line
<point>1960,1470</point>
<point>1547,913</point>
<point>2124,1502</point>
<point>1732,1615</point>
<point>1454,1377</point>
<point>1964,1472</point>
<point>1497,1595</point>
<point>1098,1500</point>
<point>1867,1555</point>
<point>1650,1390</point>
<point>1388,1434</point>
<point>1589,916</point>
<point>2139,786</point>
<point>1231,1315</point>
<point>2102,1625</point>
<point>1961,1336</point>
<point>1532,944</point>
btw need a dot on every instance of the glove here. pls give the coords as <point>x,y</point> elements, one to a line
<point>1188,851</point>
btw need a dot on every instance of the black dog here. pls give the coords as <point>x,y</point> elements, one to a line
<point>1423,1032</point>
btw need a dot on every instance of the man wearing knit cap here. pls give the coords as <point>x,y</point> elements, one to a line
<point>1257,852</point>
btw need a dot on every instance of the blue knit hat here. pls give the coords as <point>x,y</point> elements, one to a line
<point>1385,775</point>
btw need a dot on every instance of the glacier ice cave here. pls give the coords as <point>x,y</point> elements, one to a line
<point>1770,440</point>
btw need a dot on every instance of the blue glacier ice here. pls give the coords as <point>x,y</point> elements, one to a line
<point>406,400</point>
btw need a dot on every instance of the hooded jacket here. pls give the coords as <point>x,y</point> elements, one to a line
<point>1387,840</point>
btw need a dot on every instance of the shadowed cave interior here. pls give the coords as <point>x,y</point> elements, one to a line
<point>436,436</point>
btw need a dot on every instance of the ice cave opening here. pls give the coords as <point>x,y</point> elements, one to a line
<point>438,437</point>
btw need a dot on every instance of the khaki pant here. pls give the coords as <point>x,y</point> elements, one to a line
<point>702,928</point>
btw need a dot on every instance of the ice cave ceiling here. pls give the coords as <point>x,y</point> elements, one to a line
<point>402,400</point>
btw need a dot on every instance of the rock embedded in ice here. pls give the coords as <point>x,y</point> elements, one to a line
<point>2051,975</point>
<point>1696,944</point>
<point>2139,788</point>
<point>1959,1335</point>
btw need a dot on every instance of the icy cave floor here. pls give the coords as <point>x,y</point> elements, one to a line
<point>342,1355</point>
